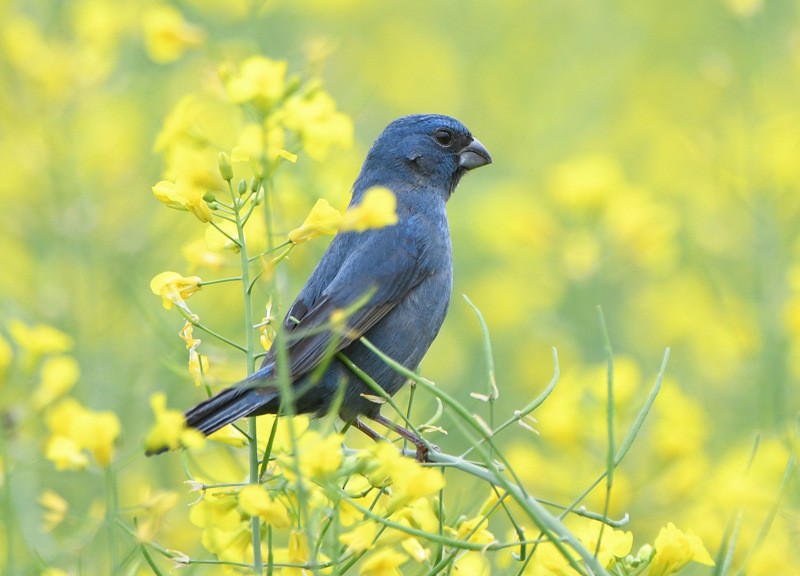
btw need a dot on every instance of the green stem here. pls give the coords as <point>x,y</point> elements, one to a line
<point>111,514</point>
<point>250,345</point>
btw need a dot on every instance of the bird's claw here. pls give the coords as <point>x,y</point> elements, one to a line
<point>423,450</point>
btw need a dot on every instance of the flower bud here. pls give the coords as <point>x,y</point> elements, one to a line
<point>242,187</point>
<point>225,167</point>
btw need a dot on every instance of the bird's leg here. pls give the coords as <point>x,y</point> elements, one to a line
<point>359,425</point>
<point>419,443</point>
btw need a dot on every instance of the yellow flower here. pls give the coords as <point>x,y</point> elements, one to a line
<point>182,195</point>
<point>155,507</point>
<point>75,429</point>
<point>315,119</point>
<point>259,80</point>
<point>197,253</point>
<point>675,549</point>
<point>254,500</point>
<point>174,288</point>
<point>299,552</point>
<point>323,219</point>
<point>408,479</point>
<point>615,543</point>
<point>376,210</point>
<point>470,527</point>
<point>59,374</point>
<point>101,432</point>
<point>416,550</point>
<point>229,436</point>
<point>360,538</point>
<point>384,562</point>
<point>169,430</point>
<point>255,145</point>
<point>167,35</point>
<point>198,363</point>
<point>54,507</point>
<point>472,564</point>
<point>39,339</point>
<point>318,456</point>
<point>197,167</point>
<point>180,123</point>
<point>65,453</point>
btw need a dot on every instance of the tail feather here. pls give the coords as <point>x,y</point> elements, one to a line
<point>246,398</point>
<point>226,407</point>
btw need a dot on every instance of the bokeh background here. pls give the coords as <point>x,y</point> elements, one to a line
<point>646,160</point>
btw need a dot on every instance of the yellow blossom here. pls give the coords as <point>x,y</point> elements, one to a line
<point>615,543</point>
<point>229,545</point>
<point>218,509</point>
<point>376,210</point>
<point>167,35</point>
<point>408,479</point>
<point>229,436</point>
<point>675,549</point>
<point>58,375</point>
<point>257,144</point>
<point>299,552</point>
<point>415,549</point>
<point>174,288</point>
<point>318,456</point>
<point>259,80</point>
<point>74,429</point>
<point>54,508</point>
<point>198,363</point>
<point>474,529</point>
<point>315,118</point>
<point>384,562</point>
<point>420,514</point>
<point>197,253</point>
<point>183,195</point>
<point>180,123</point>
<point>254,500</point>
<point>323,219</point>
<point>155,506</point>
<point>65,453</point>
<point>101,433</point>
<point>39,339</point>
<point>169,430</point>
<point>472,564</point>
<point>361,537</point>
<point>195,167</point>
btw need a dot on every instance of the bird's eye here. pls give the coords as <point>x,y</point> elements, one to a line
<point>443,136</point>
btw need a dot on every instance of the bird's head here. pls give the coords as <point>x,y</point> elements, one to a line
<point>422,151</point>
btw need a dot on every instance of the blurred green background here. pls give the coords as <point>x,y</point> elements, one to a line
<point>646,160</point>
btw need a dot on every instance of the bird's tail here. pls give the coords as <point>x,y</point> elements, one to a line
<point>238,401</point>
<point>228,406</point>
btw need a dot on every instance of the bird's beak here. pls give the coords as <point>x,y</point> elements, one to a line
<point>474,155</point>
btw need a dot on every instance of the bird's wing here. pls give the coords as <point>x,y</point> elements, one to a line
<point>373,278</point>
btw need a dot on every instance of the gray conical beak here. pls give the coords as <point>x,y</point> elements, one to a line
<point>474,155</point>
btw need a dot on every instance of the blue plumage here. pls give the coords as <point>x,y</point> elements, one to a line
<point>406,269</point>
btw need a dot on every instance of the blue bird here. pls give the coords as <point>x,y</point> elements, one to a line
<point>395,283</point>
